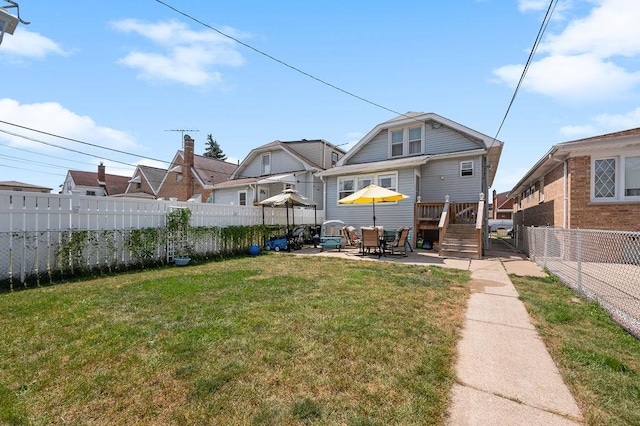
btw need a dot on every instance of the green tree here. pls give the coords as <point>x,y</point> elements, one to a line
<point>213,150</point>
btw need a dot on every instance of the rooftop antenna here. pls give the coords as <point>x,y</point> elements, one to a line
<point>8,22</point>
<point>182,133</point>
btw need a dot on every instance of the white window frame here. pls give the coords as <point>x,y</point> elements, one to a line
<point>346,192</point>
<point>462,168</point>
<point>394,179</point>
<point>620,178</point>
<point>265,168</point>
<point>334,158</point>
<point>361,181</point>
<point>240,193</point>
<point>410,141</point>
<point>405,145</point>
<point>623,181</point>
<point>359,178</point>
<point>393,143</point>
<point>616,190</point>
<point>541,193</point>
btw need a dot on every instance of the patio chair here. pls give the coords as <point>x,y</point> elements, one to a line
<point>399,244</point>
<point>350,235</point>
<point>370,241</point>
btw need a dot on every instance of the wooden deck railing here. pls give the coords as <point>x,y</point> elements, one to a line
<point>437,216</point>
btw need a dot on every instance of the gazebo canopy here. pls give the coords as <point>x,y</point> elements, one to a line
<point>289,198</point>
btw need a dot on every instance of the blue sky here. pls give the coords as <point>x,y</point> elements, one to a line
<point>121,74</point>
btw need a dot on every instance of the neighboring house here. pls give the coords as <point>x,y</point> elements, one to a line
<point>269,169</point>
<point>12,185</point>
<point>98,184</point>
<point>190,177</point>
<point>145,182</point>
<point>502,206</point>
<point>591,183</point>
<point>424,156</point>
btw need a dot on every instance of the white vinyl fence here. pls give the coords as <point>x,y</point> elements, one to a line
<point>45,234</point>
<point>600,265</point>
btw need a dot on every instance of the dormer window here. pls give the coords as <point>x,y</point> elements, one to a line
<point>407,141</point>
<point>397,141</point>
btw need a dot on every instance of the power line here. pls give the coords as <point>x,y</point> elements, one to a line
<point>536,43</point>
<point>73,140</point>
<point>281,62</point>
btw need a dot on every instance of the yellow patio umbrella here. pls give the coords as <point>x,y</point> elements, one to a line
<point>372,194</point>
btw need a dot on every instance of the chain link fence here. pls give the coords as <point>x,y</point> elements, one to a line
<point>600,265</point>
<point>42,257</point>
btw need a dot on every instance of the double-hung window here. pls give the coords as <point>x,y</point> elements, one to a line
<point>388,181</point>
<point>266,164</point>
<point>242,198</point>
<point>364,181</point>
<point>632,176</point>
<point>345,187</point>
<point>407,141</point>
<point>466,168</point>
<point>397,143</point>
<point>415,140</point>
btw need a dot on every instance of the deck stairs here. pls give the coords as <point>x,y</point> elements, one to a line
<point>460,240</point>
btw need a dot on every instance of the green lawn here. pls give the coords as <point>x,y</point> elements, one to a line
<point>273,340</point>
<point>599,361</point>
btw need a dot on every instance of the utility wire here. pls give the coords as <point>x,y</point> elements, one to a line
<point>281,62</point>
<point>73,140</point>
<point>536,43</point>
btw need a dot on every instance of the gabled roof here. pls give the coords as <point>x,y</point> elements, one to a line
<point>114,184</point>
<point>484,142</point>
<point>17,184</point>
<point>153,176</point>
<point>284,146</point>
<point>561,151</point>
<point>503,202</point>
<point>207,167</point>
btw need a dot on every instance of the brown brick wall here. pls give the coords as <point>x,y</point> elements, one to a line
<point>587,215</point>
<point>549,212</point>
<point>583,214</point>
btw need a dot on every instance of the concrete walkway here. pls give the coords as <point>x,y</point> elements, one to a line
<point>505,375</point>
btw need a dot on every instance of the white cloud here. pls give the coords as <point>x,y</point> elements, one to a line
<point>27,44</point>
<point>583,61</point>
<point>610,30</point>
<point>527,5</point>
<point>182,55</point>
<point>602,124</point>
<point>53,118</point>
<point>577,78</point>
<point>619,121</point>
<point>576,132</point>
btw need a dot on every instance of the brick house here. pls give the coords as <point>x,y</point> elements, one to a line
<point>502,206</point>
<point>190,176</point>
<point>591,183</point>
<point>145,182</point>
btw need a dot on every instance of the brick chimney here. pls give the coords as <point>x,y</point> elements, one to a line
<point>187,177</point>
<point>101,174</point>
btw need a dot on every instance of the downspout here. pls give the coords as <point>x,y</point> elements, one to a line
<point>255,193</point>
<point>324,197</point>
<point>565,196</point>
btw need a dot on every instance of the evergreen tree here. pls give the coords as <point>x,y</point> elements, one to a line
<point>213,150</point>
